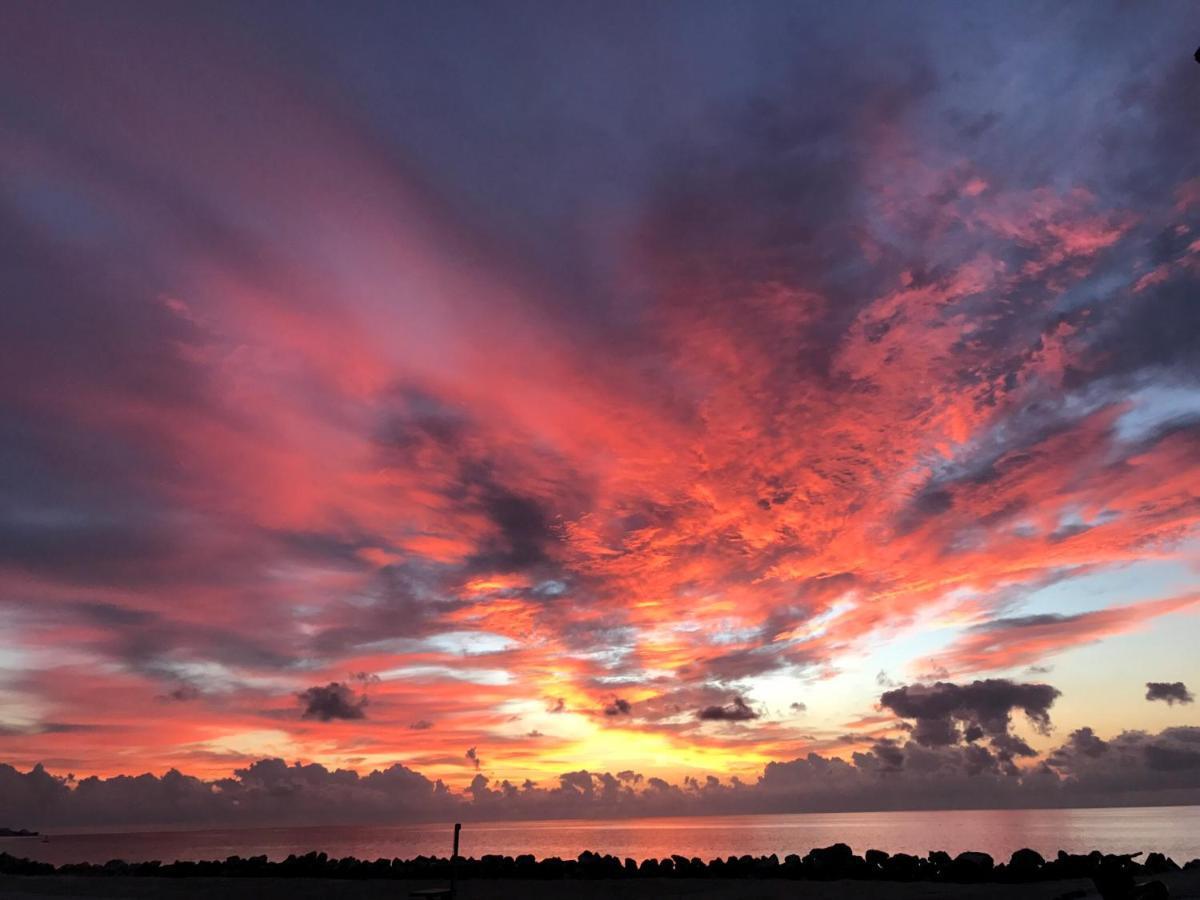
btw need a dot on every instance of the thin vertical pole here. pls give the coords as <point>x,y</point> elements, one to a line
<point>454,862</point>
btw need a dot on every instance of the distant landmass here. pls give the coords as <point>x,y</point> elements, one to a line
<point>17,832</point>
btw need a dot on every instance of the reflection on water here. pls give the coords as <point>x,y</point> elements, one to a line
<point>1172,830</point>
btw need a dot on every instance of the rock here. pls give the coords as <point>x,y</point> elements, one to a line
<point>876,857</point>
<point>1113,878</point>
<point>1157,864</point>
<point>902,867</point>
<point>1024,865</point>
<point>971,867</point>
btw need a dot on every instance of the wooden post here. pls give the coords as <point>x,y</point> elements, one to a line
<point>454,862</point>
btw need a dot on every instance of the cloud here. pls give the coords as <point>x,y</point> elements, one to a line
<point>1085,741</point>
<point>618,707</point>
<point>736,710</point>
<point>1164,758</point>
<point>473,756</point>
<point>182,694</point>
<point>949,715</point>
<point>840,350</point>
<point>1009,642</point>
<point>1170,692</point>
<point>332,701</point>
<point>1135,769</point>
<point>947,712</point>
<point>421,725</point>
<point>890,753</point>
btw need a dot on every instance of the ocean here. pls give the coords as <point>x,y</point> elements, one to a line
<point>1174,830</point>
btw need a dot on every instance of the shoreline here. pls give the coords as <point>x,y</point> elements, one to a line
<point>832,863</point>
<point>1180,885</point>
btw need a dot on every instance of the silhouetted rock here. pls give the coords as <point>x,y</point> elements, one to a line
<point>904,867</point>
<point>1114,875</point>
<point>831,862</point>
<point>876,858</point>
<point>1024,865</point>
<point>1157,864</point>
<point>971,867</point>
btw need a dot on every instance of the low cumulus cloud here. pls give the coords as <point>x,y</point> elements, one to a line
<point>1169,692</point>
<point>1085,741</point>
<point>737,710</point>
<point>332,701</point>
<point>1131,769</point>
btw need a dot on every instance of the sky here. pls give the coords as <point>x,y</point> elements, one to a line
<point>600,408</point>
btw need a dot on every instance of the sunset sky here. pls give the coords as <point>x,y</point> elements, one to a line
<point>672,389</point>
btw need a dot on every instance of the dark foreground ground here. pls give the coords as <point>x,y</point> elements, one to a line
<point>67,887</point>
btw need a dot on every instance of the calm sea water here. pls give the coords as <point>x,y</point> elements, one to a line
<point>1171,830</point>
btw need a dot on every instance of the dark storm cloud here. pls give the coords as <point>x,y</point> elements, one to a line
<point>947,713</point>
<point>1170,692</point>
<point>737,710</point>
<point>332,701</point>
